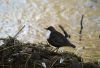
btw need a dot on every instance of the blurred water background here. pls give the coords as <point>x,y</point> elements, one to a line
<point>38,14</point>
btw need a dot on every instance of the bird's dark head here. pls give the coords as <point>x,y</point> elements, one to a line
<point>50,28</point>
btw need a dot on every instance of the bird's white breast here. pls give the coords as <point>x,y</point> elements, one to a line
<point>48,34</point>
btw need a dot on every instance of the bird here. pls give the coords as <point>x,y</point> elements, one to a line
<point>57,39</point>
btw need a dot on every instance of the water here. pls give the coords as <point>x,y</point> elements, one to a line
<point>37,15</point>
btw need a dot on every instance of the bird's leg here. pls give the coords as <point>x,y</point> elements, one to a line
<point>56,50</point>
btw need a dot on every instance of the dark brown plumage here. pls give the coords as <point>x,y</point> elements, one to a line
<point>57,39</point>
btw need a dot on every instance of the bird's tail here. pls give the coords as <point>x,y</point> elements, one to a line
<point>73,46</point>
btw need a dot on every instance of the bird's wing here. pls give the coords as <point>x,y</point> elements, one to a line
<point>58,38</point>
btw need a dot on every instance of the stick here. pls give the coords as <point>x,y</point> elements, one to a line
<point>18,32</point>
<point>81,24</point>
<point>66,34</point>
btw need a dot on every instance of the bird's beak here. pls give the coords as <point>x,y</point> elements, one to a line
<point>46,28</point>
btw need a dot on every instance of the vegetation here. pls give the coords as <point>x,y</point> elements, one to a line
<point>16,54</point>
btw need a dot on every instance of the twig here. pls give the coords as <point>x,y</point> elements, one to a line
<point>10,47</point>
<point>27,60</point>
<point>66,34</point>
<point>18,32</point>
<point>81,24</point>
<point>54,61</point>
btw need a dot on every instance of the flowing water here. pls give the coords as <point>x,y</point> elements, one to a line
<point>38,14</point>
